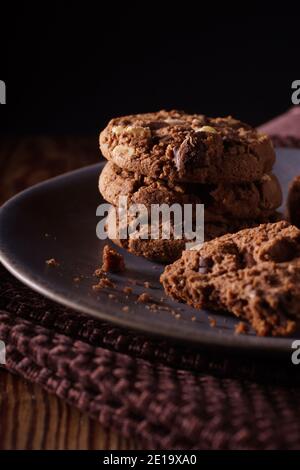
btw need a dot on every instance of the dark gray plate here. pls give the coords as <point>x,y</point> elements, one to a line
<point>57,219</point>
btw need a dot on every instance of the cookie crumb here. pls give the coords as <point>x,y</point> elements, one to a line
<point>76,279</point>
<point>241,328</point>
<point>147,285</point>
<point>152,307</point>
<point>127,290</point>
<point>103,282</point>
<point>96,287</point>
<point>125,308</point>
<point>212,322</point>
<point>111,296</point>
<point>52,262</point>
<point>144,298</point>
<point>193,318</point>
<point>112,260</point>
<point>99,272</point>
<point>177,315</point>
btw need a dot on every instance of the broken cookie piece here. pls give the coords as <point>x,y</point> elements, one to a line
<point>112,260</point>
<point>254,274</point>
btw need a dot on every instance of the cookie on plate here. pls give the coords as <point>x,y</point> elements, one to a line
<point>251,200</point>
<point>177,146</point>
<point>167,250</point>
<point>254,274</point>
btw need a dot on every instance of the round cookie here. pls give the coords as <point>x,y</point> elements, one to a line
<point>222,201</point>
<point>168,250</point>
<point>177,146</point>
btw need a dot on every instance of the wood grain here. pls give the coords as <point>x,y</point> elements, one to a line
<point>31,418</point>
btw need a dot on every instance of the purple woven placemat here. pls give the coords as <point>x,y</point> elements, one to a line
<point>167,396</point>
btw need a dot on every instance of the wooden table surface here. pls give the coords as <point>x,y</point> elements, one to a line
<point>31,418</point>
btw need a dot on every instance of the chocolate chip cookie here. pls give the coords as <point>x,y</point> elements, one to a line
<point>168,250</point>
<point>254,274</point>
<point>177,146</point>
<point>251,200</point>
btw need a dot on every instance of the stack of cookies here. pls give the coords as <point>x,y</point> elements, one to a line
<point>173,157</point>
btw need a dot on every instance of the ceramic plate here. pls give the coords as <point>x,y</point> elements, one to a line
<point>57,219</point>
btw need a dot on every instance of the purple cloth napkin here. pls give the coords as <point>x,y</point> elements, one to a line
<point>284,129</point>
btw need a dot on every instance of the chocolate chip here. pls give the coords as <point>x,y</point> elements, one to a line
<point>197,150</point>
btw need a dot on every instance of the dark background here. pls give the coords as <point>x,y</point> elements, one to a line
<point>70,67</point>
